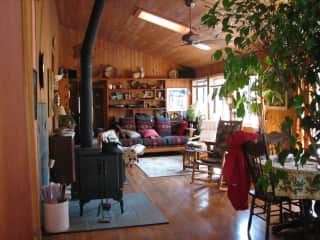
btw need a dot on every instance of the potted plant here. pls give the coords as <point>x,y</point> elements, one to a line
<point>191,114</point>
<point>278,42</point>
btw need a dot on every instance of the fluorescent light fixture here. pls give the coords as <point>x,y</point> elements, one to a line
<point>202,46</point>
<point>173,26</point>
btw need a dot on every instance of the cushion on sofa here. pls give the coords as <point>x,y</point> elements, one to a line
<point>126,142</point>
<point>176,140</point>
<point>182,128</point>
<point>179,128</point>
<point>148,133</point>
<point>163,126</point>
<point>130,133</point>
<point>127,123</point>
<point>155,142</point>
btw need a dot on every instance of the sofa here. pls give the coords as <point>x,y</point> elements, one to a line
<point>157,134</point>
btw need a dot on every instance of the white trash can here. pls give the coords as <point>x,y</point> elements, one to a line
<point>56,217</point>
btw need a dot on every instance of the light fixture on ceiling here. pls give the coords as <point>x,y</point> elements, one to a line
<point>171,25</point>
<point>202,46</point>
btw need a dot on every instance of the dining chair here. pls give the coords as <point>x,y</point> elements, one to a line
<point>269,205</point>
<point>214,156</point>
<point>275,141</point>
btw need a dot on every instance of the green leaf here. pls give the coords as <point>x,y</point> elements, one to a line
<point>214,93</point>
<point>268,60</point>
<point>306,122</point>
<point>278,175</point>
<point>267,167</point>
<point>228,38</point>
<point>241,111</point>
<point>282,156</point>
<point>227,3</point>
<point>217,55</point>
<point>263,183</point>
<point>228,50</point>
<point>292,141</point>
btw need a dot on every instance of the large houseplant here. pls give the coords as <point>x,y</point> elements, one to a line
<point>279,42</point>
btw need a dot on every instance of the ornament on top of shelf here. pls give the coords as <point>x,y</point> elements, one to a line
<point>139,73</point>
<point>110,71</point>
<point>136,74</point>
<point>173,73</point>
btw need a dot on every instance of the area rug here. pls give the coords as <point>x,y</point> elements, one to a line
<point>165,166</point>
<point>138,211</point>
<point>162,166</point>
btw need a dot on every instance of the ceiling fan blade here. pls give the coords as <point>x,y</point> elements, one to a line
<point>213,41</point>
<point>202,46</point>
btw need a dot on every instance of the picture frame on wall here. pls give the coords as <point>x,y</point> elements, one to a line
<point>177,99</point>
<point>279,103</point>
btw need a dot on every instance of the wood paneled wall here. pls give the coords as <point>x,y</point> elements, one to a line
<point>274,118</point>
<point>47,42</point>
<point>15,197</point>
<point>209,70</point>
<point>124,59</point>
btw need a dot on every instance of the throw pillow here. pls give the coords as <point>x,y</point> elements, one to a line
<point>182,128</point>
<point>149,133</point>
<point>131,134</point>
<point>163,127</point>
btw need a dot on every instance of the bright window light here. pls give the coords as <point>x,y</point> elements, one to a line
<point>147,16</point>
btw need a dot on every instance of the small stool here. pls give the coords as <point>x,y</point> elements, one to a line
<point>130,154</point>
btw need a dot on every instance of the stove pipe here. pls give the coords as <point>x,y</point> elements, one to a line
<point>86,101</point>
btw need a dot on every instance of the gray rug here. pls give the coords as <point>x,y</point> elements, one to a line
<point>138,211</point>
<point>162,166</point>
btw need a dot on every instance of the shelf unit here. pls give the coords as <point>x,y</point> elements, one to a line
<point>127,96</point>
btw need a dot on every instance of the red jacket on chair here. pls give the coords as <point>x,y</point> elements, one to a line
<point>235,170</point>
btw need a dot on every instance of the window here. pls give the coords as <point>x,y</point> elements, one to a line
<point>218,107</point>
<point>202,90</point>
<point>250,119</point>
<point>200,96</point>
<point>208,108</point>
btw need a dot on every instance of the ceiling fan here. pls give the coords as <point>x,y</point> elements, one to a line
<point>192,38</point>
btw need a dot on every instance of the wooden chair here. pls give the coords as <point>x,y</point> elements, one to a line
<point>208,132</point>
<point>214,155</point>
<point>270,206</point>
<point>275,140</point>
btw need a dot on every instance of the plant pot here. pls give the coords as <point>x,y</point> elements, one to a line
<point>56,217</point>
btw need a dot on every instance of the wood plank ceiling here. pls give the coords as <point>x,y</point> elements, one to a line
<point>119,25</point>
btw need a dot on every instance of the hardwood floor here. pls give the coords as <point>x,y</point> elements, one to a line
<point>194,212</point>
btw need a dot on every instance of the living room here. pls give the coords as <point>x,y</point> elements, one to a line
<point>136,66</point>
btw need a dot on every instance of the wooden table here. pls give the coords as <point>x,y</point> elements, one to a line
<point>189,156</point>
<point>300,182</point>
